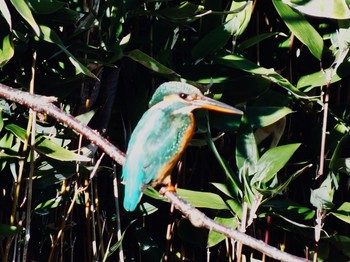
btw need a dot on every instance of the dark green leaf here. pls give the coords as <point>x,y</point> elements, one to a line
<point>152,64</point>
<point>50,36</point>
<point>7,230</point>
<point>45,6</point>
<point>255,40</point>
<point>233,27</point>
<point>239,62</point>
<point>289,209</point>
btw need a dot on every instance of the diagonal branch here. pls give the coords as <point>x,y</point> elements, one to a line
<point>44,104</point>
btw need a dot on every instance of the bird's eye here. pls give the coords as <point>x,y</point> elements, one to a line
<point>183,95</point>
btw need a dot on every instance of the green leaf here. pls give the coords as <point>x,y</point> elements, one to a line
<point>50,149</point>
<point>318,79</point>
<point>7,230</point>
<point>215,238</point>
<point>45,6</point>
<point>152,64</point>
<point>272,161</point>
<point>223,188</point>
<point>7,50</point>
<point>184,11</point>
<point>24,10</point>
<point>290,209</point>
<point>335,9</point>
<point>343,212</point>
<point>302,29</point>
<point>246,150</point>
<point>5,13</point>
<point>52,172</point>
<point>322,197</point>
<point>342,244</point>
<point>86,117</point>
<point>1,120</point>
<point>276,189</point>
<point>217,38</point>
<point>50,36</point>
<point>255,40</point>
<point>47,147</point>
<point>265,116</point>
<point>48,204</point>
<point>202,199</point>
<point>241,63</point>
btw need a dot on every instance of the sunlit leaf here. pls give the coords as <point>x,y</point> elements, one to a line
<point>265,116</point>
<point>7,50</point>
<point>24,10</point>
<point>343,212</point>
<point>202,199</point>
<point>302,29</point>
<point>273,161</point>
<point>246,150</point>
<point>47,147</point>
<point>48,204</point>
<point>335,9</point>
<point>5,13</point>
<point>53,172</point>
<point>223,188</point>
<point>322,197</point>
<point>318,79</point>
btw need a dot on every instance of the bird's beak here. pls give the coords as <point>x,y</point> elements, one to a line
<point>211,104</point>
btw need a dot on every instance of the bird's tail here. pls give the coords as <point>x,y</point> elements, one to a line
<point>131,199</point>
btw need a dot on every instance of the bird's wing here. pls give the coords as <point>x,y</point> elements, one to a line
<point>156,140</point>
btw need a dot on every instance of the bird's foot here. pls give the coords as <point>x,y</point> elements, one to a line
<point>168,188</point>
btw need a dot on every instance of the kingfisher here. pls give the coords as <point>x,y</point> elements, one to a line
<point>161,136</point>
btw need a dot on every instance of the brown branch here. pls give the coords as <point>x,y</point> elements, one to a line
<point>199,219</point>
<point>44,104</point>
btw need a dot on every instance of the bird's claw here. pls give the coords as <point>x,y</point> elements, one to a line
<point>168,188</point>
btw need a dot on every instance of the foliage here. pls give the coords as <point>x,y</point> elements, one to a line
<point>275,60</point>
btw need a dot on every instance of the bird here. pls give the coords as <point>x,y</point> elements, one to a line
<point>161,136</point>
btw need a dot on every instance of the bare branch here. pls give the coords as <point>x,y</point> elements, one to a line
<point>43,104</point>
<point>199,219</point>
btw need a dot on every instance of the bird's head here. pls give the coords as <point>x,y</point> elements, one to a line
<point>188,95</point>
